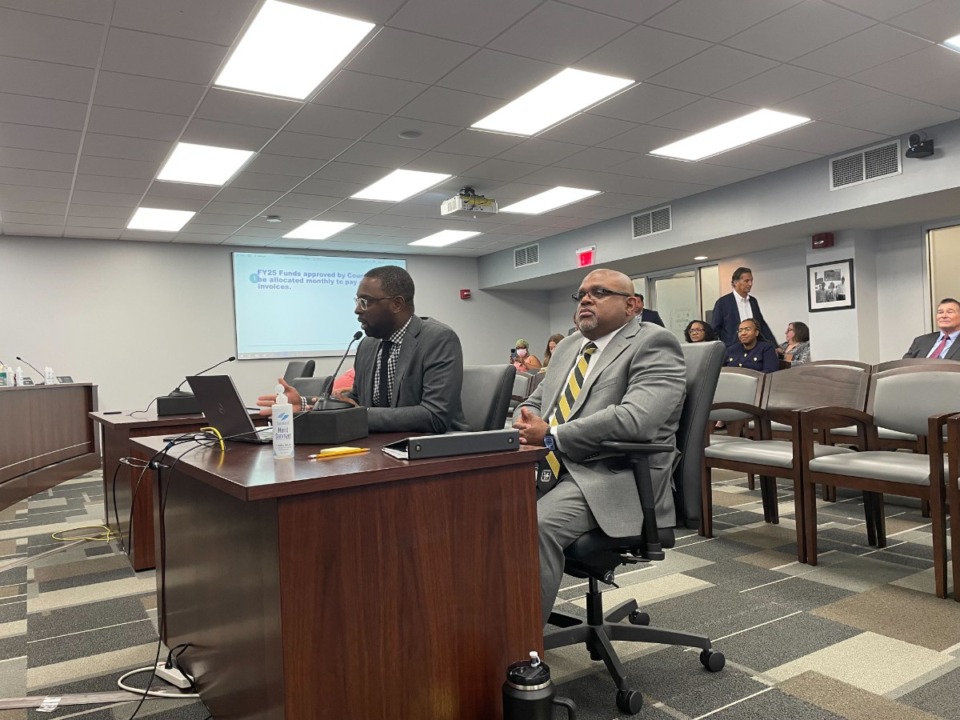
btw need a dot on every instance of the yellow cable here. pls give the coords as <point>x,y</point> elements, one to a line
<point>217,433</point>
<point>105,536</point>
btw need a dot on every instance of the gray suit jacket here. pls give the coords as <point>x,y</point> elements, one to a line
<point>923,344</point>
<point>634,394</point>
<point>426,393</point>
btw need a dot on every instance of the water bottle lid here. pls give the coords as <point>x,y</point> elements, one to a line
<point>530,674</point>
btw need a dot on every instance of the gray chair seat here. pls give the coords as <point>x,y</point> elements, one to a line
<point>774,426</point>
<point>882,433</point>
<point>719,439</point>
<point>775,453</point>
<point>880,465</point>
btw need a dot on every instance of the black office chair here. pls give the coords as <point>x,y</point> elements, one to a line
<point>486,395</point>
<point>311,386</point>
<point>595,556</point>
<point>298,369</point>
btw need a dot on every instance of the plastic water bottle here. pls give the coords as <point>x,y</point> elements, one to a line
<point>282,426</point>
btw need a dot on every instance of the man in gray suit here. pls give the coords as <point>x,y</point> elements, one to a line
<point>943,343</point>
<point>409,370</point>
<point>631,390</point>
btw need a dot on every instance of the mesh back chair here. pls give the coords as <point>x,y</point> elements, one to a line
<point>595,555</point>
<point>785,393</point>
<point>914,399</point>
<point>297,369</point>
<point>486,395</point>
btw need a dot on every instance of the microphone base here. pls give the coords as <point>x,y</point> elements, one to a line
<point>179,404</point>
<point>332,426</point>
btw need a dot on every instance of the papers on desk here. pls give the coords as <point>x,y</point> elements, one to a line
<point>455,443</point>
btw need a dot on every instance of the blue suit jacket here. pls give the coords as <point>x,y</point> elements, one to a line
<point>726,319</point>
<point>651,316</point>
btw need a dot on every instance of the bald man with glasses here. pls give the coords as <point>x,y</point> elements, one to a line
<point>408,370</point>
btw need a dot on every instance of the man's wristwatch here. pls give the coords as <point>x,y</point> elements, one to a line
<point>550,442</point>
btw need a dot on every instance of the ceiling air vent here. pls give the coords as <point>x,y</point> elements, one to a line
<point>871,164</point>
<point>651,223</point>
<point>529,255</point>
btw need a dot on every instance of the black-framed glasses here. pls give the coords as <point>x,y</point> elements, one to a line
<point>364,303</point>
<point>696,329</point>
<point>598,293</point>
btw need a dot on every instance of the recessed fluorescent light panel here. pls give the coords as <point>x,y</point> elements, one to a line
<point>730,135</point>
<point>289,50</point>
<point>400,185</point>
<point>202,164</point>
<point>318,230</point>
<point>162,220</point>
<point>444,238</point>
<point>549,200</point>
<point>953,43</point>
<point>558,98</point>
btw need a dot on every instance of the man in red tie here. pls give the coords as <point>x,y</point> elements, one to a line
<point>943,343</point>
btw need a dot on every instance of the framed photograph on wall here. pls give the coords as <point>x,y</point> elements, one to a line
<point>830,286</point>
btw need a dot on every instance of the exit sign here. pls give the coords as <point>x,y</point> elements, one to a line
<point>587,256</point>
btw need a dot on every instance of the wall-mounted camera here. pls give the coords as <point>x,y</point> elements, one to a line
<point>920,147</point>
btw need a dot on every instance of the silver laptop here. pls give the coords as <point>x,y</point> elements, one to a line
<point>221,404</point>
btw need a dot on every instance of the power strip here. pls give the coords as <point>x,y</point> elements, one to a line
<point>174,676</point>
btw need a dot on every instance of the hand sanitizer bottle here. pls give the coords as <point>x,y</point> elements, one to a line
<point>48,377</point>
<point>18,376</point>
<point>282,426</point>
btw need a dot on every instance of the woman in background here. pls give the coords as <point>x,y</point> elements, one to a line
<point>523,361</point>
<point>551,346</point>
<point>750,352</point>
<point>796,349</point>
<point>699,331</point>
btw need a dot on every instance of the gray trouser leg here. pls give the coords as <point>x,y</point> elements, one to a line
<point>562,516</point>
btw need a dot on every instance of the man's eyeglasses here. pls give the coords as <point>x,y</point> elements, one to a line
<point>365,302</point>
<point>597,294</point>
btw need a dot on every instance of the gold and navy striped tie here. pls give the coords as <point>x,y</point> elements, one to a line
<point>567,399</point>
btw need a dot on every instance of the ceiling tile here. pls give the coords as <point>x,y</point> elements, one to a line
<point>625,9</point>
<point>257,110</point>
<point>716,20</point>
<point>53,39</point>
<point>26,110</point>
<point>35,178</point>
<point>799,30</point>
<point>295,167</point>
<point>303,146</point>
<point>45,79</point>
<point>459,19</point>
<point>822,103</point>
<point>94,11</point>
<point>91,233</point>
<point>595,159</point>
<point>861,51</point>
<point>586,129</point>
<point>657,168</point>
<point>499,75</point>
<point>158,56</point>
<point>199,195</point>
<point>410,56</point>
<point>502,170</point>
<point>474,142</point>
<point>261,198</point>
<point>334,122</point>
<point>12,194</point>
<point>381,156</point>
<point>135,123</point>
<point>39,208</point>
<point>261,181</point>
<point>76,222</point>
<point>643,103</point>
<point>928,75</point>
<point>39,138</point>
<point>21,218</point>
<point>360,91</point>
<point>97,211</point>
<point>540,151</point>
<point>824,138</point>
<point>227,135</point>
<point>452,107</point>
<point>774,86</point>
<point>211,21</point>
<point>31,230</point>
<point>713,70</point>
<point>937,20</point>
<point>316,203</point>
<point>113,199</point>
<point>39,160</point>
<point>642,53</point>
<point>199,238</point>
<point>443,162</point>
<point>228,208</point>
<point>431,134</point>
<point>375,11</point>
<point>703,115</point>
<point>147,236</point>
<point>894,115</point>
<point>762,158</point>
<point>123,147</point>
<point>325,188</point>
<point>289,213</point>
<point>880,9</point>
<point>136,92</point>
<point>560,33</point>
<point>107,184</point>
<point>348,173</point>
<point>115,167</point>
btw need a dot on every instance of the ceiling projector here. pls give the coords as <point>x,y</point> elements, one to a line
<point>467,202</point>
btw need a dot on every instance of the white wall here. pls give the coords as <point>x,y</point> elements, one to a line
<point>902,308</point>
<point>135,318</point>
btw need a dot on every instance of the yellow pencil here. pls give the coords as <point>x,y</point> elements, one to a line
<point>337,452</point>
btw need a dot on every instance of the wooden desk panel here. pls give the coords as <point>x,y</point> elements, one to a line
<point>331,594</point>
<point>46,437</point>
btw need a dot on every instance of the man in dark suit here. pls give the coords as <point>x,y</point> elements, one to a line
<point>943,343</point>
<point>735,307</point>
<point>409,370</point>
<point>630,381</point>
<point>645,315</point>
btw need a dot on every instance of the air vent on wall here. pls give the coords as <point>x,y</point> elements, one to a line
<point>653,222</point>
<point>529,255</point>
<point>871,164</point>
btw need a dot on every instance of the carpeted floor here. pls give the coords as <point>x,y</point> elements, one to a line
<point>860,636</point>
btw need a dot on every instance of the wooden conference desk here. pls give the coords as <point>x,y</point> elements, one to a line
<point>45,437</point>
<point>356,587</point>
<point>115,431</point>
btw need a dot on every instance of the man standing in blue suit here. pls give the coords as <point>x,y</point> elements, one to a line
<point>735,307</point>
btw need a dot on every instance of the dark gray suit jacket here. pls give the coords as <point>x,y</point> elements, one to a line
<point>923,344</point>
<point>633,394</point>
<point>651,316</point>
<point>426,393</point>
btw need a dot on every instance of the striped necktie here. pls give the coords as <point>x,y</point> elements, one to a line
<point>567,400</point>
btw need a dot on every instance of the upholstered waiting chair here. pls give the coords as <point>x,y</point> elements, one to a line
<point>595,556</point>
<point>785,393</point>
<point>485,395</point>
<point>915,399</point>
<point>736,385</point>
<point>953,499</point>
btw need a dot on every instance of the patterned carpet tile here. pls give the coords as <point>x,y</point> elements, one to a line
<point>847,701</point>
<point>939,697</point>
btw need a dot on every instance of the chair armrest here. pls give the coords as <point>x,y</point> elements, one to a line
<point>827,417</point>
<point>746,408</point>
<point>628,448</point>
<point>935,427</point>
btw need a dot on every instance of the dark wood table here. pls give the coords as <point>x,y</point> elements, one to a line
<point>115,431</point>
<point>45,437</point>
<point>356,587</point>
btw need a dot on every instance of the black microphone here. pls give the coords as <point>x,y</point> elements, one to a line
<point>42,376</point>
<point>321,403</point>
<point>177,392</point>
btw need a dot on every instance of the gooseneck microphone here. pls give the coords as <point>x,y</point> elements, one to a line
<point>321,403</point>
<point>177,392</point>
<point>42,376</point>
